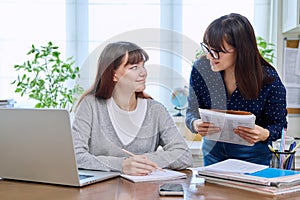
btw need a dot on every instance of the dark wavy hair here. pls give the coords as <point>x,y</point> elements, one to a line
<point>237,31</point>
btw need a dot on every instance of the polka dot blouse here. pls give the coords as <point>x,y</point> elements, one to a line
<point>207,90</point>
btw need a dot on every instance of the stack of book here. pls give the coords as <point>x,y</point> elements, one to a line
<point>7,103</point>
<point>252,177</point>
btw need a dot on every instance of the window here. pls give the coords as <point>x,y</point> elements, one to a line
<point>24,23</point>
<point>197,15</point>
<point>81,28</point>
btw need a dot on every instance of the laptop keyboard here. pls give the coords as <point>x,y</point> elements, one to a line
<point>81,176</point>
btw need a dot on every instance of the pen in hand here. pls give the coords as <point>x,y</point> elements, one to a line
<point>132,154</point>
<point>128,152</point>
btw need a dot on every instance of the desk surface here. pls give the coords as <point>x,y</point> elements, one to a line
<point>119,188</point>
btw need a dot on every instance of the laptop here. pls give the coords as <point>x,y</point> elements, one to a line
<point>36,145</point>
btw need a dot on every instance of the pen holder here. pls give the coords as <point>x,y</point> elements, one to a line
<point>283,160</point>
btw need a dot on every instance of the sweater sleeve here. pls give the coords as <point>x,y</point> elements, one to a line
<point>206,90</point>
<point>192,112</point>
<point>175,153</point>
<point>81,131</point>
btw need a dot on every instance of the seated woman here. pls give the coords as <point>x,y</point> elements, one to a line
<point>116,114</point>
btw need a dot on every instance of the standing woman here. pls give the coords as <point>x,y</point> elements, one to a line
<point>116,114</point>
<point>234,76</point>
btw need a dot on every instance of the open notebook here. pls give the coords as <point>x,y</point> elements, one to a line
<point>36,145</point>
<point>157,175</point>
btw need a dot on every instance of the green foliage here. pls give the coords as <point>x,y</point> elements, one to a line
<point>44,78</point>
<point>266,49</point>
<point>199,53</point>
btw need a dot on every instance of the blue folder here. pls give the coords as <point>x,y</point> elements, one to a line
<point>274,173</point>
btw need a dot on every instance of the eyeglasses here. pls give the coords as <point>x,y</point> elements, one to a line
<point>213,52</point>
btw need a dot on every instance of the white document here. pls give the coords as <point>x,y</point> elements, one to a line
<point>228,121</point>
<point>291,76</point>
<point>235,166</point>
<point>156,176</point>
<point>291,67</point>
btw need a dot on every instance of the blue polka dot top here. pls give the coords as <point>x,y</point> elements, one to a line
<point>207,90</point>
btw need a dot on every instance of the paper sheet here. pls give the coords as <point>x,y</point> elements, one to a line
<point>227,122</point>
<point>235,166</point>
<point>291,76</point>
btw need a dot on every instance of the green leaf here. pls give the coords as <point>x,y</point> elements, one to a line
<point>23,77</point>
<point>18,90</point>
<point>55,54</point>
<point>265,49</point>
<point>38,105</point>
<point>45,75</point>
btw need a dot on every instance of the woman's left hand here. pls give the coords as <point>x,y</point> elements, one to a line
<point>252,135</point>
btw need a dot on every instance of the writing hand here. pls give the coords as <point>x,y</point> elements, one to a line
<point>138,165</point>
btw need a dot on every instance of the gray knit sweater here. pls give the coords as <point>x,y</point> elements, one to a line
<point>98,147</point>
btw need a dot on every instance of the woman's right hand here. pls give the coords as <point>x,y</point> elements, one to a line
<point>138,165</point>
<point>204,128</point>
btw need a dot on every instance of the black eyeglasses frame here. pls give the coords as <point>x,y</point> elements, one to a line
<point>213,52</point>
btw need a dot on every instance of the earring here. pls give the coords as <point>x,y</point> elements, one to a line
<point>115,78</point>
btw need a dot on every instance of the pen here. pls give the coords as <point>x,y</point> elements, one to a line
<point>282,148</point>
<point>132,154</point>
<point>273,151</point>
<point>290,157</point>
<point>294,149</point>
<point>271,148</point>
<point>128,152</point>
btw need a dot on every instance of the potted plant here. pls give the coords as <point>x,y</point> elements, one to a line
<point>44,78</point>
<point>266,49</point>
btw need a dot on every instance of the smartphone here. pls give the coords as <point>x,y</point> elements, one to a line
<point>171,189</point>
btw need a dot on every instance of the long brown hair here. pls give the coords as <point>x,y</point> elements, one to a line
<point>110,60</point>
<point>237,31</point>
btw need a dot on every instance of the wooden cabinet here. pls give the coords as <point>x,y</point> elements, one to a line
<point>290,15</point>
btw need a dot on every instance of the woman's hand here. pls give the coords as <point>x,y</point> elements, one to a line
<point>138,165</point>
<point>253,135</point>
<point>204,128</point>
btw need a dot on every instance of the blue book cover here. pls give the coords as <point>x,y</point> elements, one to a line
<point>274,173</point>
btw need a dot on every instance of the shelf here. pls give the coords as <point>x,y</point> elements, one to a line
<point>290,16</point>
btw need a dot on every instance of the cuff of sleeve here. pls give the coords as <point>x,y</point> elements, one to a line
<point>191,125</point>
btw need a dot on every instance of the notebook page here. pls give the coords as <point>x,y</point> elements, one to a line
<point>156,176</point>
